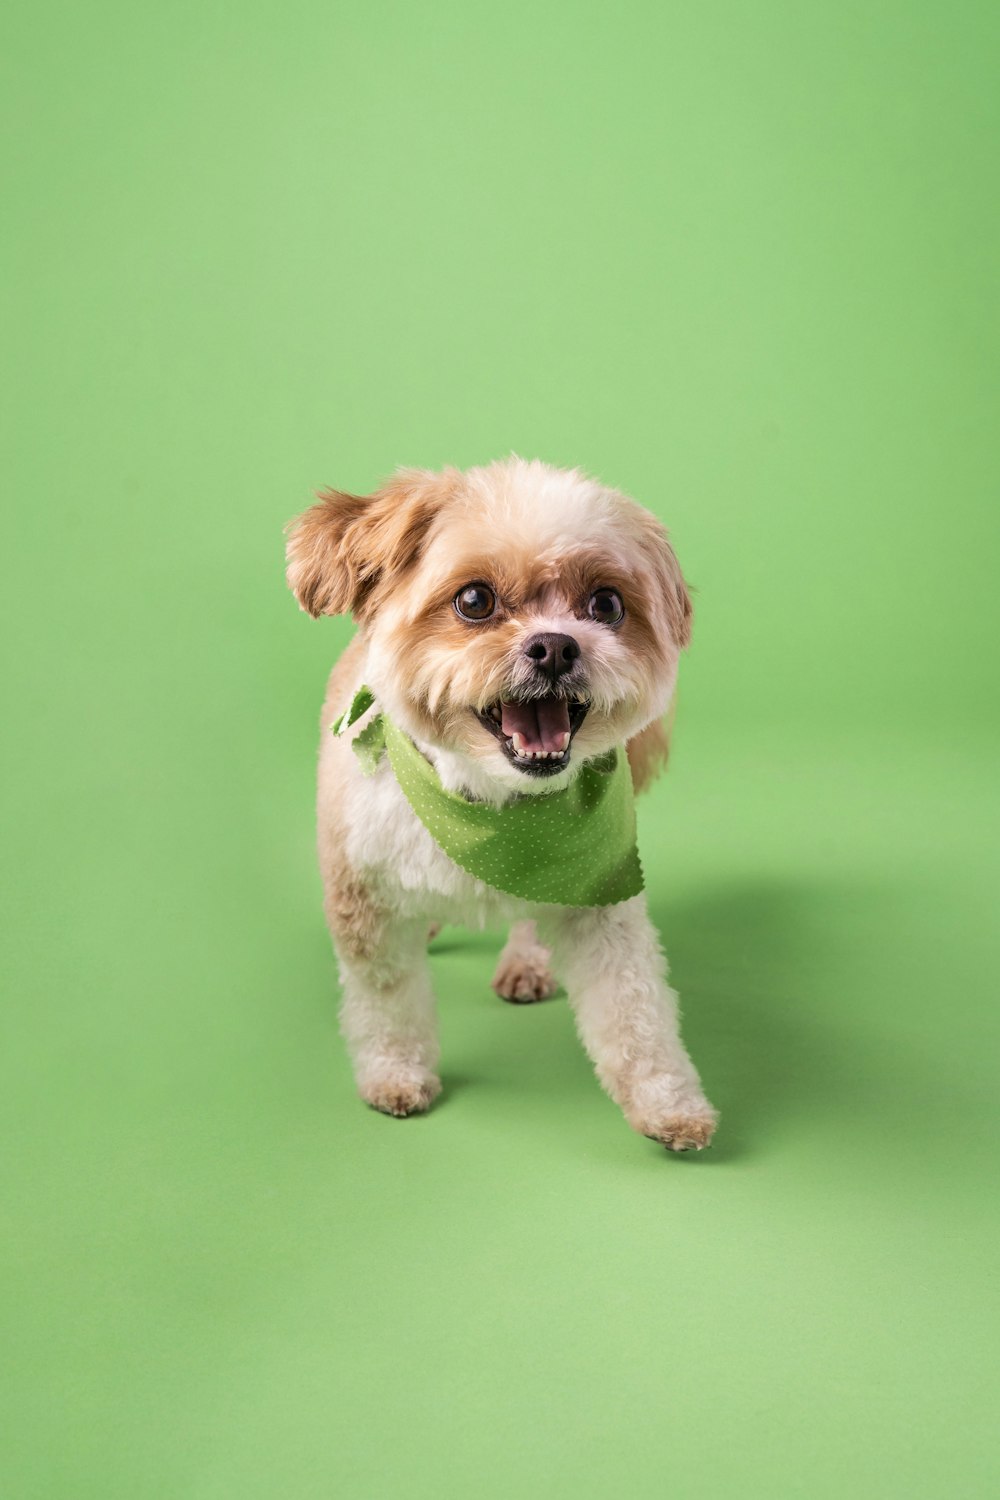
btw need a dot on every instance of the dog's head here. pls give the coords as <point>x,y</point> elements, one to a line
<point>522,617</point>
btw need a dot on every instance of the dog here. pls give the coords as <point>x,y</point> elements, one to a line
<point>519,625</point>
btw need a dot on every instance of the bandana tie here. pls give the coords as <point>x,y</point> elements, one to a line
<point>572,847</point>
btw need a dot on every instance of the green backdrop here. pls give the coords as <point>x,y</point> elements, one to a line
<point>739,260</point>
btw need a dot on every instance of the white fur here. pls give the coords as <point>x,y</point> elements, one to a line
<point>609,957</point>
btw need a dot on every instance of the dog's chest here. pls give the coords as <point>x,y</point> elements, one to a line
<point>386,837</point>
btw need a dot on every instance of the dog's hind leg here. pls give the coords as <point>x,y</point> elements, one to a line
<point>523,974</point>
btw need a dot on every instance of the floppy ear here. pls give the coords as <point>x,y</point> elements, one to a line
<point>673,590</point>
<point>341,551</point>
<point>321,573</point>
<point>678,599</point>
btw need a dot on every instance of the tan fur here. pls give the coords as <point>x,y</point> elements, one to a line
<point>344,551</point>
<point>523,973</point>
<point>524,983</point>
<point>543,540</point>
<point>648,753</point>
<point>676,598</point>
<point>354,915</point>
<point>679,1133</point>
<point>322,578</point>
<point>343,682</point>
<point>402,1097</point>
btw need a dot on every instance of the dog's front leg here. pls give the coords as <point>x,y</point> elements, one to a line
<point>626,1015</point>
<point>387,1015</point>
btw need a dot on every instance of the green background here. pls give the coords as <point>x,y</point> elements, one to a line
<point>739,260</point>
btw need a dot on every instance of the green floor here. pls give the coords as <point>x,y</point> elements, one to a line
<point>229,1278</point>
<point>739,260</point>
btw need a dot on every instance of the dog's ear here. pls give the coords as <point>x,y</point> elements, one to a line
<point>680,610</point>
<point>673,590</point>
<point>343,550</point>
<point>321,573</point>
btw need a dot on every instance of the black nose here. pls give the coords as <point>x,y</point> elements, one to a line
<point>552,654</point>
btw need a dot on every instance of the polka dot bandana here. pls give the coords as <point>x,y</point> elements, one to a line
<point>573,847</point>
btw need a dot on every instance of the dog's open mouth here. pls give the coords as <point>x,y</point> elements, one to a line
<point>536,734</point>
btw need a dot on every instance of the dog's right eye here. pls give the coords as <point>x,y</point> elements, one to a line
<point>475,602</point>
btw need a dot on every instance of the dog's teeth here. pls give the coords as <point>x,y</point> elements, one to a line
<point>522,752</point>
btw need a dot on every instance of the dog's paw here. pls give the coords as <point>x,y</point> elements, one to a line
<point>524,978</point>
<point>671,1110</point>
<point>402,1096</point>
<point>680,1132</point>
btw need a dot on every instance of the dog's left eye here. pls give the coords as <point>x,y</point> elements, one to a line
<point>475,602</point>
<point>606,607</point>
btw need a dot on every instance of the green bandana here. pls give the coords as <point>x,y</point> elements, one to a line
<point>574,847</point>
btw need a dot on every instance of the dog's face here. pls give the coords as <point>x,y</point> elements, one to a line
<point>523,617</point>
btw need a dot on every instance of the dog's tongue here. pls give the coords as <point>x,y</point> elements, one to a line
<point>543,722</point>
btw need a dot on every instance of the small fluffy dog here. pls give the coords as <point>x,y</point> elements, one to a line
<point>517,625</point>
